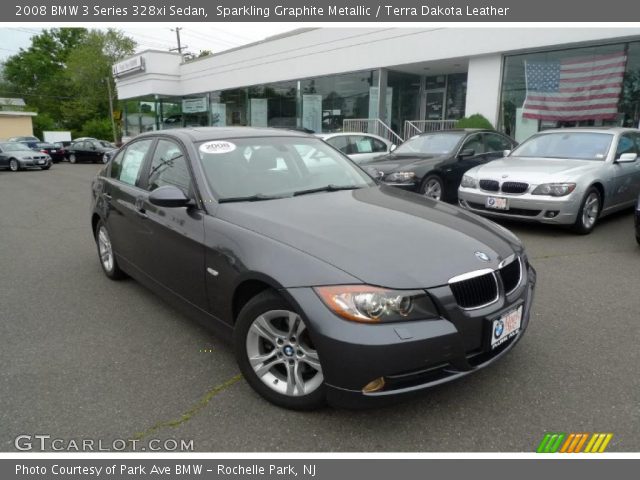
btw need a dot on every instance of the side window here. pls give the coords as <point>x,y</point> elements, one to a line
<point>341,143</point>
<point>362,144</point>
<point>496,143</point>
<point>169,167</point>
<point>474,143</point>
<point>626,145</point>
<point>126,165</point>
<point>379,145</point>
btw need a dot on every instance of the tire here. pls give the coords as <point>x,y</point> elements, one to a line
<point>46,168</point>
<point>14,165</point>
<point>638,239</point>
<point>432,187</point>
<point>72,158</point>
<point>589,212</point>
<point>285,368</point>
<point>106,256</point>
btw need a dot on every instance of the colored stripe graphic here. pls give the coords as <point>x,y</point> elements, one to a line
<point>550,443</point>
<point>574,442</point>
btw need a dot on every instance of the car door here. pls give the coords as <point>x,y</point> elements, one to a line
<point>79,150</point>
<point>174,251</point>
<point>625,175</point>
<point>4,159</point>
<point>469,154</point>
<point>122,193</point>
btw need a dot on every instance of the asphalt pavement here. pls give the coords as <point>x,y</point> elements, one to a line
<point>83,357</point>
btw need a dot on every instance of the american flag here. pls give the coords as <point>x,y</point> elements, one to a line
<point>574,89</point>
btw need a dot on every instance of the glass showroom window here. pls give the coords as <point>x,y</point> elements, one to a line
<point>327,101</point>
<point>587,86</point>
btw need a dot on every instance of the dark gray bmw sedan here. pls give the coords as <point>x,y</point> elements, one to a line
<point>330,286</point>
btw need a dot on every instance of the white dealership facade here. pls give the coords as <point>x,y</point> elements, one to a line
<point>409,79</point>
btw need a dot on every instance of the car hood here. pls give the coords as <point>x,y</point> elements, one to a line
<point>381,235</point>
<point>390,163</point>
<point>535,170</point>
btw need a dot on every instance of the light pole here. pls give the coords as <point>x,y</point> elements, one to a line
<point>113,121</point>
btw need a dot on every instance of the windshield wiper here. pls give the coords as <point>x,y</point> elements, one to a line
<point>327,188</point>
<point>250,198</point>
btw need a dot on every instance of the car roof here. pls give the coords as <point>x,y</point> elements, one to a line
<point>591,130</point>
<point>344,134</point>
<point>200,134</point>
<point>461,130</point>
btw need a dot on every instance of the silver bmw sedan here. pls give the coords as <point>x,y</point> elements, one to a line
<point>566,176</point>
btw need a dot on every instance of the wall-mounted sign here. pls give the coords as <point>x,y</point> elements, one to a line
<point>130,65</point>
<point>194,105</point>
<point>258,112</point>
<point>312,112</point>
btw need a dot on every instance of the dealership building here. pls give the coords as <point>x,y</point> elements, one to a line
<point>393,81</point>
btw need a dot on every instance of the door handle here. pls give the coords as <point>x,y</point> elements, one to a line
<point>142,214</point>
<point>107,196</point>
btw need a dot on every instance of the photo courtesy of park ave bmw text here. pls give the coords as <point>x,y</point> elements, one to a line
<point>317,240</point>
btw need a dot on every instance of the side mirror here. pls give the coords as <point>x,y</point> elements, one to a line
<point>169,196</point>
<point>627,158</point>
<point>392,147</point>
<point>505,153</point>
<point>467,152</point>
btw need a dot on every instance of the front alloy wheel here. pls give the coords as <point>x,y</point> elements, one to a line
<point>432,187</point>
<point>589,212</point>
<point>276,354</point>
<point>72,158</point>
<point>14,166</point>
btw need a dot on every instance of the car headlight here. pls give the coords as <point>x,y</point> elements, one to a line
<point>468,182</point>
<point>554,189</point>
<point>400,177</point>
<point>368,304</point>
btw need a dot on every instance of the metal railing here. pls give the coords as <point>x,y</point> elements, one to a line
<point>371,125</point>
<point>415,127</point>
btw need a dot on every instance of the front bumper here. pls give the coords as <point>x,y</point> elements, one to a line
<point>36,162</point>
<point>410,356</point>
<point>527,207</point>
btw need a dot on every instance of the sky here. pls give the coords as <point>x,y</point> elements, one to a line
<point>205,36</point>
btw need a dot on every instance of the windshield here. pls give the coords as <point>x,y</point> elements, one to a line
<point>14,147</point>
<point>566,145</point>
<point>271,167</point>
<point>430,144</point>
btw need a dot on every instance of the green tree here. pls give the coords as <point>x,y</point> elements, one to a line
<point>89,74</point>
<point>38,73</point>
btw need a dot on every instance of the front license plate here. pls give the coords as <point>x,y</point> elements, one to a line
<point>40,162</point>
<point>497,203</point>
<point>506,327</point>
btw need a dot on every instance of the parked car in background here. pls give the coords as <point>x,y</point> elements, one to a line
<point>274,239</point>
<point>433,163</point>
<point>570,176</point>
<point>29,141</point>
<point>91,150</point>
<point>359,147</point>
<point>18,156</point>
<point>56,153</point>
<point>637,220</point>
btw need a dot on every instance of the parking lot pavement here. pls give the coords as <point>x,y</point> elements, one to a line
<point>85,357</point>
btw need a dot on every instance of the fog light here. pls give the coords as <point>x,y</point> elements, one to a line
<point>551,213</point>
<point>374,386</point>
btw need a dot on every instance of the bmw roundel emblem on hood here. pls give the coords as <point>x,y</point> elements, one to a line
<point>482,256</point>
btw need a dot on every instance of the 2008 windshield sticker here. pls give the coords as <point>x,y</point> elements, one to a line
<point>218,146</point>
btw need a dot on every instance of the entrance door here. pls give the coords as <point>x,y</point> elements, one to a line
<point>434,105</point>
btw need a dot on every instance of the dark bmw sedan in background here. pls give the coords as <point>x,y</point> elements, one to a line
<point>433,163</point>
<point>281,244</point>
